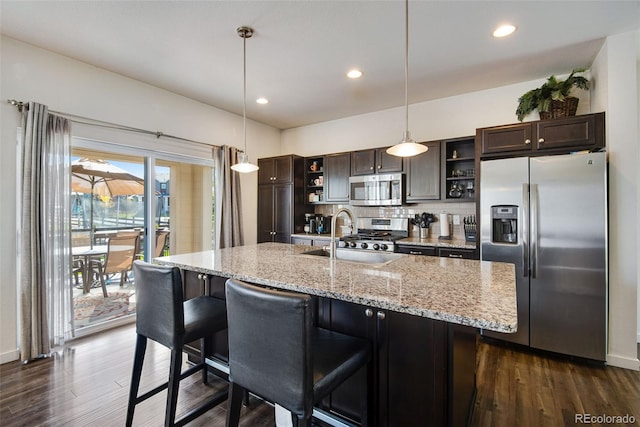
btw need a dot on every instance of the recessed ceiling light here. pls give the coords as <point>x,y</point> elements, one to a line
<point>262,101</point>
<point>504,30</point>
<point>354,74</point>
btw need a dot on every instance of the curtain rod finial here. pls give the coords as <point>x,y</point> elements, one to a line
<point>18,104</point>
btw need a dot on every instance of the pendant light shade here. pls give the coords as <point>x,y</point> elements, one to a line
<point>244,166</point>
<point>407,147</point>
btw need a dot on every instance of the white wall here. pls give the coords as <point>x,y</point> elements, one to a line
<point>616,76</point>
<point>69,86</point>
<point>615,91</point>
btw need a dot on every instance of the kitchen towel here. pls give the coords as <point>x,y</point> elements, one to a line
<point>444,225</point>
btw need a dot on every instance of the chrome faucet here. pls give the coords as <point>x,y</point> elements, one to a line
<point>332,254</point>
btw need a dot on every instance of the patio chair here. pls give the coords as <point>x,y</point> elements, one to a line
<point>79,238</point>
<point>121,251</point>
<point>161,242</point>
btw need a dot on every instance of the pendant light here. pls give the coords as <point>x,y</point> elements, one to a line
<point>244,165</point>
<point>407,147</point>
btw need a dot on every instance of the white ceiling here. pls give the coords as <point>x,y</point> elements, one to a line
<point>301,50</point>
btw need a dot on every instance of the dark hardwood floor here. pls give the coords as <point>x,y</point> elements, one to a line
<point>87,385</point>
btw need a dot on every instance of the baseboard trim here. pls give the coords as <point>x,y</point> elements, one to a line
<point>9,356</point>
<point>623,362</point>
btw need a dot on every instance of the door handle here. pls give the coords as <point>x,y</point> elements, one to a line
<point>534,230</point>
<point>524,230</point>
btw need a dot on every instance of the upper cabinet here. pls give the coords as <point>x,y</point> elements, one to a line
<point>554,136</point>
<point>458,168</point>
<point>337,168</point>
<point>275,170</point>
<point>375,160</point>
<point>423,174</point>
<point>314,179</point>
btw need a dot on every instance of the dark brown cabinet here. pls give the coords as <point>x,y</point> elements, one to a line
<point>281,204</point>
<point>554,136</point>
<point>435,251</point>
<point>337,168</point>
<point>314,180</point>
<point>310,241</point>
<point>196,284</point>
<point>457,253</point>
<point>423,174</point>
<point>417,250</point>
<point>275,170</point>
<point>458,169</point>
<point>422,369</point>
<point>376,160</point>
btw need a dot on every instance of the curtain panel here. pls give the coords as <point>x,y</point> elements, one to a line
<point>228,223</point>
<point>44,236</point>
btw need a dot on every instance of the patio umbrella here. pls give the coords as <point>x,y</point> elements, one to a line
<point>99,177</point>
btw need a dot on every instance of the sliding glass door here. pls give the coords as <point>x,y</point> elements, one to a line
<point>139,205</point>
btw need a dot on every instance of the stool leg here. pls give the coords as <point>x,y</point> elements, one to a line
<point>366,404</point>
<point>234,404</point>
<point>203,359</point>
<point>301,421</point>
<point>138,359</point>
<point>174,384</point>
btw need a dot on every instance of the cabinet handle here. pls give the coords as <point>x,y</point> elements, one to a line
<point>379,166</point>
<point>527,141</point>
<point>381,315</point>
<point>455,255</point>
<point>541,140</point>
<point>199,276</point>
<point>371,168</point>
<point>368,312</point>
<point>415,252</point>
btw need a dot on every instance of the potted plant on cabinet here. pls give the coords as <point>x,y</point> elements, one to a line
<point>552,98</point>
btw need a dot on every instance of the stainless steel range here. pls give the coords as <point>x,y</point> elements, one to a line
<point>377,234</point>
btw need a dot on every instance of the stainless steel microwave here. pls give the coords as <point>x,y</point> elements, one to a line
<point>377,190</point>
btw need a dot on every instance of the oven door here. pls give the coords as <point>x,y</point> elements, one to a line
<point>376,190</point>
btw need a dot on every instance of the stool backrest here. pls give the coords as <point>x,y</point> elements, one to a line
<point>159,303</point>
<point>270,344</point>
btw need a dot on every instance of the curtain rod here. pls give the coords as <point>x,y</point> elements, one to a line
<point>99,123</point>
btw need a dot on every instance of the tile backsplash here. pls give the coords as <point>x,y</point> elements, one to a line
<point>406,211</point>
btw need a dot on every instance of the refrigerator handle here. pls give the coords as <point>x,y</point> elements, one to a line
<point>524,230</point>
<point>534,230</point>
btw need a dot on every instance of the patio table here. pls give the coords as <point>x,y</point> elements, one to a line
<point>88,252</point>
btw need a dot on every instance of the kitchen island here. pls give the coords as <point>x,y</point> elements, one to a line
<point>421,313</point>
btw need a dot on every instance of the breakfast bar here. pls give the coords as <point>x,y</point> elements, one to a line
<point>421,313</point>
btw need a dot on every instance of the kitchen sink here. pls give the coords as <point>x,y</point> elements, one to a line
<point>354,255</point>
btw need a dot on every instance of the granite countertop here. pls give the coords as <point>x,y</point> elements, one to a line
<point>475,293</point>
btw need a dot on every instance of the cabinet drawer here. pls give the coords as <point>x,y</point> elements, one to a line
<point>301,241</point>
<point>418,250</point>
<point>457,253</point>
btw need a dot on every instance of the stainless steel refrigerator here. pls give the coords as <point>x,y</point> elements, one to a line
<point>548,216</point>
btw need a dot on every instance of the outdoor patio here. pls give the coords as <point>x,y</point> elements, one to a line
<point>93,308</point>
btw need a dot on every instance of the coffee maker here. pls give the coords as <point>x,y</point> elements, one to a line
<point>310,224</point>
<point>323,224</point>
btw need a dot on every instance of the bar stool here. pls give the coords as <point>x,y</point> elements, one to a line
<point>161,315</point>
<point>277,353</point>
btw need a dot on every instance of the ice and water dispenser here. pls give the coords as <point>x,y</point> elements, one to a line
<point>504,224</point>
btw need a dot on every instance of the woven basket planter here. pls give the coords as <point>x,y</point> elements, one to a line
<point>564,108</point>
